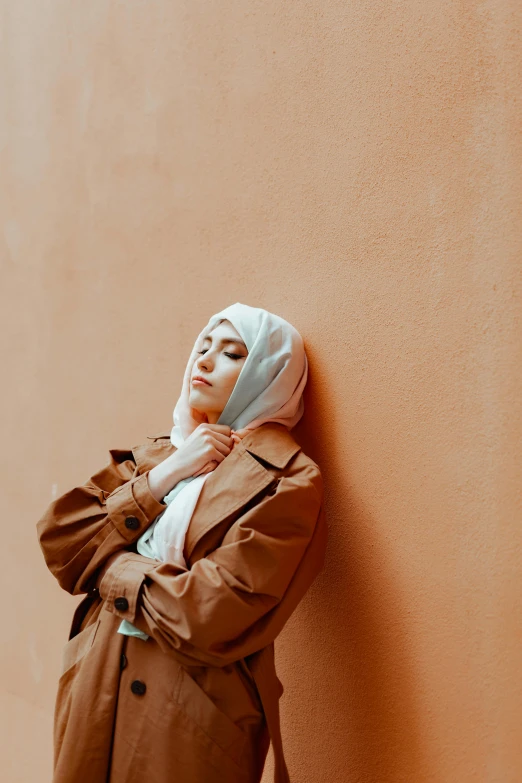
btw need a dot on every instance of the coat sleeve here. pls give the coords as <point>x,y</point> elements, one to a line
<point>228,605</point>
<point>81,529</point>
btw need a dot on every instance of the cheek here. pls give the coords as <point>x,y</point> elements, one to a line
<point>232,377</point>
<point>238,371</point>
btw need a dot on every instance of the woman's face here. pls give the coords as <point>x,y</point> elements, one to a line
<point>221,358</point>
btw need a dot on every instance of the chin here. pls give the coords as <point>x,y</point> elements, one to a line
<point>198,402</point>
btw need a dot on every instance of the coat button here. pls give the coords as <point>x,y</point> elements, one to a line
<point>123,661</point>
<point>138,687</point>
<point>132,523</point>
<point>121,604</point>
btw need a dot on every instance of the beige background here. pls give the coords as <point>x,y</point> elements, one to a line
<point>355,168</point>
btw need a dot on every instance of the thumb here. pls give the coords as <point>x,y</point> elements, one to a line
<point>239,434</point>
<point>207,468</point>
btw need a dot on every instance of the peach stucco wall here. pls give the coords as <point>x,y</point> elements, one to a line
<point>356,168</point>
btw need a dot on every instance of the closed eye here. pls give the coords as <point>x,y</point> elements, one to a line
<point>231,355</point>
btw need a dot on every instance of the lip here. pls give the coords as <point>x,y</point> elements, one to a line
<point>197,379</point>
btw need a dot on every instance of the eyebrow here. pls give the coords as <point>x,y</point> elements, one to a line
<point>226,341</point>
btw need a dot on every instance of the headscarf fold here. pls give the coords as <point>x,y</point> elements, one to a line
<point>269,388</point>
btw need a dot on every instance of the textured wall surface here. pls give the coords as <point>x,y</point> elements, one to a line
<point>356,168</point>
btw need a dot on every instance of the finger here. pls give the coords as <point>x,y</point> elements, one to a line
<point>224,428</point>
<point>218,455</point>
<point>219,437</point>
<point>222,447</point>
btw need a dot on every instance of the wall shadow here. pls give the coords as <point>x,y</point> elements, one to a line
<point>362,717</point>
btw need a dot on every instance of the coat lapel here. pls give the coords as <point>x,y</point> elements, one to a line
<point>228,488</point>
<point>235,481</point>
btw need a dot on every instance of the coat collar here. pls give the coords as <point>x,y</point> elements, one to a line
<point>271,441</point>
<point>235,481</point>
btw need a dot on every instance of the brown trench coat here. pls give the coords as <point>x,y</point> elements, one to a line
<point>198,702</point>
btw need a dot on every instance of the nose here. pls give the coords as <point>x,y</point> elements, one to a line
<point>202,362</point>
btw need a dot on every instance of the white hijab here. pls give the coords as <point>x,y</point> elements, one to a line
<point>269,388</point>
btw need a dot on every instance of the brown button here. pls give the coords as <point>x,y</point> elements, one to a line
<point>121,604</point>
<point>132,523</point>
<point>123,661</point>
<point>138,687</point>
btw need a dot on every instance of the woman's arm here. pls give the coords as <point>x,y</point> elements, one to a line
<point>81,529</point>
<point>235,600</point>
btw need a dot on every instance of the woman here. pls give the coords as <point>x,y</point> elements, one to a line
<point>193,549</point>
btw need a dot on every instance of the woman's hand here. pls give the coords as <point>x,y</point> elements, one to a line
<point>236,437</point>
<point>203,450</point>
<point>200,453</point>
